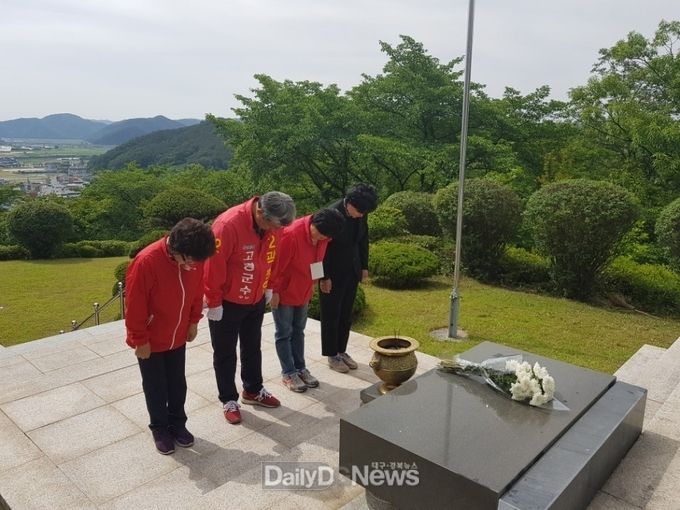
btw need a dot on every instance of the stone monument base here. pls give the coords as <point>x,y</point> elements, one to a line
<point>447,441</point>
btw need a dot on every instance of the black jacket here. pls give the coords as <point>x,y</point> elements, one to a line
<point>347,254</point>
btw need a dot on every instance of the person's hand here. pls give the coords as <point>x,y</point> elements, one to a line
<point>325,286</point>
<point>192,332</point>
<point>268,293</point>
<point>214,314</point>
<point>274,303</point>
<point>143,351</point>
<point>364,275</point>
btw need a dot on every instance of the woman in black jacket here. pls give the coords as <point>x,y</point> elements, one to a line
<point>345,265</point>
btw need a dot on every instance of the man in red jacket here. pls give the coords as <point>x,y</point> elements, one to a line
<point>235,280</point>
<point>164,297</point>
<point>298,266</point>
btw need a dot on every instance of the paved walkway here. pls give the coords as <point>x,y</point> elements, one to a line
<point>73,430</point>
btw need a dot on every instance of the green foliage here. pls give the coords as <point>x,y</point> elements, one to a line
<point>111,206</point>
<point>92,249</point>
<point>518,267</point>
<point>146,240</point>
<point>442,248</point>
<point>197,144</point>
<point>173,204</point>
<point>13,252</point>
<point>628,113</point>
<point>491,215</point>
<point>121,270</point>
<point>8,194</point>
<point>648,287</point>
<point>418,210</point>
<point>398,265</point>
<point>578,223</point>
<point>386,222</point>
<point>668,231</point>
<point>40,226</point>
<point>314,310</point>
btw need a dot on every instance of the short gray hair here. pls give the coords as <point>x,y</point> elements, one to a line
<point>277,208</point>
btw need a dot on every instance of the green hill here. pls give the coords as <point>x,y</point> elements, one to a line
<point>173,147</point>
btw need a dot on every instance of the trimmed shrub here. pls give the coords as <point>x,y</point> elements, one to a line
<point>13,252</point>
<point>40,226</point>
<point>441,247</point>
<point>491,215</point>
<point>386,222</point>
<point>92,249</point>
<point>145,240</point>
<point>398,265</point>
<point>520,267</point>
<point>648,287</point>
<point>418,209</point>
<point>314,310</point>
<point>578,224</point>
<point>119,274</point>
<point>668,232</point>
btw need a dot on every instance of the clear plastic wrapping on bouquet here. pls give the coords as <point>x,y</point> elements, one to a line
<point>512,377</point>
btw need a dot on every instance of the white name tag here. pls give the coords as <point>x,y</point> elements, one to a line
<point>316,269</point>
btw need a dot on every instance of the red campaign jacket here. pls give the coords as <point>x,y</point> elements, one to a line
<point>239,271</point>
<point>161,299</point>
<point>292,278</point>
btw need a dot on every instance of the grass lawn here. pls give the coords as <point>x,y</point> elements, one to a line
<point>574,332</point>
<point>39,298</point>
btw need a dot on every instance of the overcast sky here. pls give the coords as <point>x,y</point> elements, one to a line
<point>118,59</point>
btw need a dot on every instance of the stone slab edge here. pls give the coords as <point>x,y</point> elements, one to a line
<point>571,472</point>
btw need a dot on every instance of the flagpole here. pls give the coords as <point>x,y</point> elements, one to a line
<point>455,295</point>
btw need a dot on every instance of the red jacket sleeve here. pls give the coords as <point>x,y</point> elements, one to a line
<point>138,286</point>
<point>196,312</point>
<point>215,270</point>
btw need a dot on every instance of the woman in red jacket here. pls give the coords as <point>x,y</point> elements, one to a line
<point>164,297</point>
<point>298,266</point>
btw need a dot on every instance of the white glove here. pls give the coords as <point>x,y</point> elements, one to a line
<point>214,314</point>
<point>268,293</point>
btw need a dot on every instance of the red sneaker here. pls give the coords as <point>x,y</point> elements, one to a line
<point>263,398</point>
<point>232,413</point>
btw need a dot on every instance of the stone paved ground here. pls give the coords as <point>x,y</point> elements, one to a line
<point>73,430</point>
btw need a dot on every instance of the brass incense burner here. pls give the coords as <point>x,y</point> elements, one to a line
<point>394,360</point>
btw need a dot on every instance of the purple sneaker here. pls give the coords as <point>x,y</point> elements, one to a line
<point>164,443</point>
<point>182,436</point>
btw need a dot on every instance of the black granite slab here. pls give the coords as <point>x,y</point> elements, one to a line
<point>570,473</point>
<point>469,442</point>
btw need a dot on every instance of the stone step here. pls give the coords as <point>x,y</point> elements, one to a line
<point>664,374</point>
<point>636,370</point>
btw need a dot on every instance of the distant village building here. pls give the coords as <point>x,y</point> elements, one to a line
<point>5,148</point>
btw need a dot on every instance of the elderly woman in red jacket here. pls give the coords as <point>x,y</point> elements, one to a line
<point>164,297</point>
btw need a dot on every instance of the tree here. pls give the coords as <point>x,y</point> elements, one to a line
<point>629,111</point>
<point>40,226</point>
<point>111,206</point>
<point>491,215</point>
<point>296,132</point>
<point>173,204</point>
<point>578,224</point>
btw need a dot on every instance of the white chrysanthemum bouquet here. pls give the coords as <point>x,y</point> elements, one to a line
<point>510,375</point>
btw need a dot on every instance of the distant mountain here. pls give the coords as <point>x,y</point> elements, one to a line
<point>60,126</point>
<point>121,132</point>
<point>173,147</point>
<point>68,126</point>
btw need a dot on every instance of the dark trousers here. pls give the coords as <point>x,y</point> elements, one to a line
<point>336,315</point>
<point>242,322</point>
<point>165,388</point>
